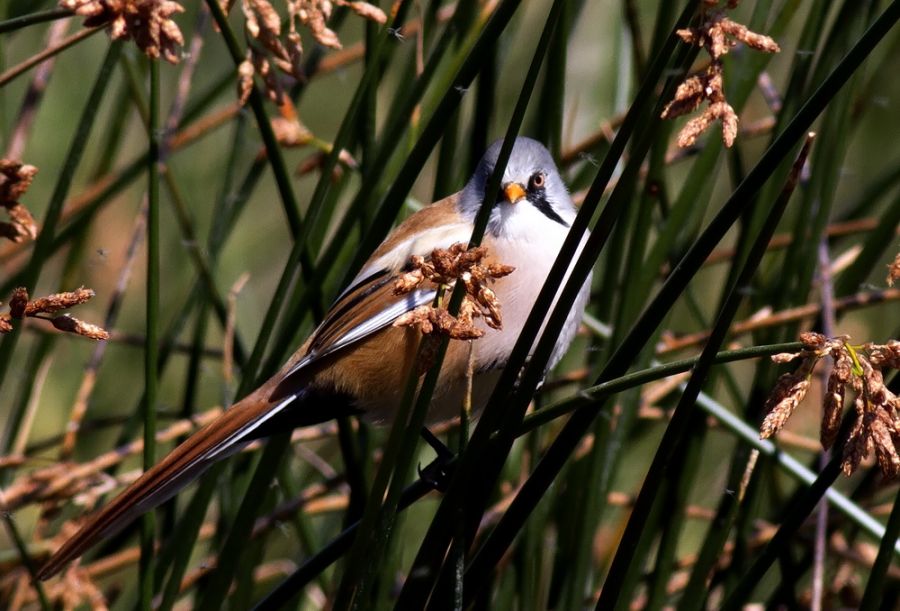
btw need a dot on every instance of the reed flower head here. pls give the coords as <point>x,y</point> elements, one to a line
<point>894,271</point>
<point>718,35</point>
<point>148,22</point>
<point>20,306</point>
<point>15,178</point>
<point>443,269</point>
<point>275,47</point>
<point>876,428</point>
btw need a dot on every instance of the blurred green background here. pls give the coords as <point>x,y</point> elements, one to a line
<point>856,149</point>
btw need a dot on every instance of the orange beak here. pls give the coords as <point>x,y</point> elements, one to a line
<point>514,192</point>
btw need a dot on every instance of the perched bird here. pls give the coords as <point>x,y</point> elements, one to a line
<point>356,361</point>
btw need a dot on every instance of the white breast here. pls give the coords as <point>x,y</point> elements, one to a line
<point>532,260</point>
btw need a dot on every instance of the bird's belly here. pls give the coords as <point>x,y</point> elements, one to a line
<point>379,403</point>
<point>376,371</point>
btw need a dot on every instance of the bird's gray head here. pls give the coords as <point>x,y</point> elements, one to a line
<point>532,194</point>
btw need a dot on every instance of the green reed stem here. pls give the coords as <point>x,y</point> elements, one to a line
<point>151,346</point>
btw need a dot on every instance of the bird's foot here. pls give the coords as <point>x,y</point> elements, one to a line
<point>437,473</point>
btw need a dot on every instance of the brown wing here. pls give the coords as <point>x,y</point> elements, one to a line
<point>369,304</point>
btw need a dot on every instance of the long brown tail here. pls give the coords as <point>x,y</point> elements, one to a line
<point>221,438</point>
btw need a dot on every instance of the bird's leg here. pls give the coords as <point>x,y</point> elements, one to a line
<point>436,444</point>
<point>437,472</point>
<point>517,384</point>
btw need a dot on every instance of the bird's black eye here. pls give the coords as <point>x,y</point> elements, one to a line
<point>537,181</point>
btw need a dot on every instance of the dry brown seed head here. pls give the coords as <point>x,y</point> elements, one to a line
<point>831,413</point>
<point>314,14</point>
<point>492,315</point>
<point>13,232</point>
<point>894,412</point>
<point>453,328</point>
<point>417,317</point>
<point>498,270</point>
<point>718,35</point>
<point>860,404</point>
<point>838,342</point>
<point>468,310</point>
<point>246,70</point>
<point>261,17</point>
<point>85,8</point>
<point>881,427</point>
<point>442,262</point>
<point>365,10</point>
<point>688,97</point>
<point>725,113</point>
<point>690,36</point>
<point>692,130</point>
<point>871,376</point>
<point>786,357</point>
<point>408,281</point>
<point>696,126</point>
<point>290,133</point>
<point>18,303</point>
<point>271,81</point>
<point>789,391</point>
<point>894,271</point>
<point>59,301</point>
<point>148,22</point>
<point>833,405</point>
<point>5,324</point>
<point>71,324</point>
<point>719,44</point>
<point>886,355</point>
<point>843,367</point>
<point>753,40</point>
<point>23,222</point>
<point>15,178</point>
<point>444,268</point>
<point>715,83</point>
<point>812,340</point>
<point>856,448</point>
<point>430,320</point>
<point>263,24</point>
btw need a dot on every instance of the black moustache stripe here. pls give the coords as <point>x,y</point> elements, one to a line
<point>539,201</point>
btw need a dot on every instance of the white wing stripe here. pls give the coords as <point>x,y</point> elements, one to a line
<point>370,326</point>
<point>384,318</point>
<point>235,442</point>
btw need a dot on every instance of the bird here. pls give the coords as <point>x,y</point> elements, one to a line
<point>357,361</point>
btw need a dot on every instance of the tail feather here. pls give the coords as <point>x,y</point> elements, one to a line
<point>216,441</point>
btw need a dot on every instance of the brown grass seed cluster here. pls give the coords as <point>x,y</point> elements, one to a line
<point>877,425</point>
<point>148,22</point>
<point>893,271</point>
<point>15,178</point>
<point>717,34</point>
<point>443,268</point>
<point>21,307</point>
<point>273,48</point>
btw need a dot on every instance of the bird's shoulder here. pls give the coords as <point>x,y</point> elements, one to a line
<point>435,226</point>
